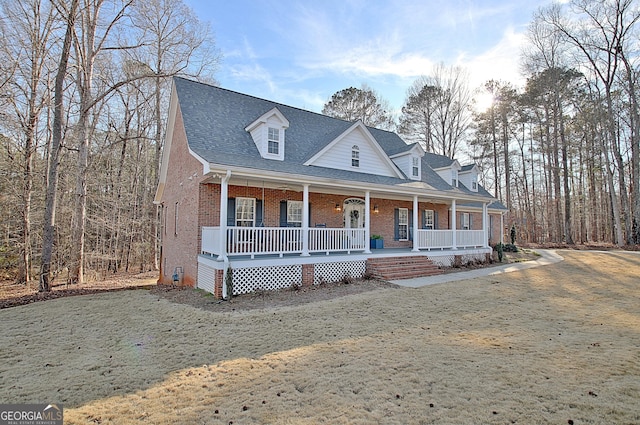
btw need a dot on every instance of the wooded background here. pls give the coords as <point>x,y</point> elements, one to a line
<point>84,87</point>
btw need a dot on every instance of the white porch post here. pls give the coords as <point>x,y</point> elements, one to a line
<point>453,224</point>
<point>485,224</point>
<point>367,221</point>
<point>416,213</point>
<point>305,221</point>
<point>224,194</point>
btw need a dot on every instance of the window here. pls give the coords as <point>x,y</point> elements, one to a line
<point>474,185</point>
<point>454,178</point>
<point>294,213</point>
<point>415,167</point>
<point>429,219</point>
<point>355,156</point>
<point>245,212</point>
<point>403,224</point>
<point>466,224</point>
<point>274,141</point>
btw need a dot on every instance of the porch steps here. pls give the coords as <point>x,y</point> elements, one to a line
<point>395,268</point>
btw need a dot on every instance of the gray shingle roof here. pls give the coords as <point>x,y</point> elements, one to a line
<point>215,120</point>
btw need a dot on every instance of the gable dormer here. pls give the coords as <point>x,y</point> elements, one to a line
<point>410,162</point>
<point>469,176</point>
<point>355,149</point>
<point>268,133</point>
<point>450,173</point>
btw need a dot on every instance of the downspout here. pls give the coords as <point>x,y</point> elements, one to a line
<point>485,224</point>
<point>415,224</point>
<point>454,225</point>
<point>222,256</point>
<point>224,194</point>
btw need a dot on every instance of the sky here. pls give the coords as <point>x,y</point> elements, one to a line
<point>301,52</point>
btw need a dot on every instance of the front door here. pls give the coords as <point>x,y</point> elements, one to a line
<point>354,213</point>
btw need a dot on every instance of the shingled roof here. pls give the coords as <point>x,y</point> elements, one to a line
<point>215,120</point>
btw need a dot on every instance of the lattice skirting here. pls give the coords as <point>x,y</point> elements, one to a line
<point>252,279</point>
<point>449,260</point>
<point>333,272</point>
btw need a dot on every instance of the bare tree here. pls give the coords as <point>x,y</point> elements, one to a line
<point>438,110</point>
<point>600,32</point>
<point>28,44</point>
<point>69,15</point>
<point>364,104</point>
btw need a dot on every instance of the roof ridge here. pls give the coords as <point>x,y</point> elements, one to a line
<point>278,103</point>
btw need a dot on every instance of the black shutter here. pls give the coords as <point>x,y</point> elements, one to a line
<point>259,215</point>
<point>283,213</point>
<point>309,214</point>
<point>435,220</point>
<point>424,219</point>
<point>410,225</point>
<point>396,229</point>
<point>231,212</point>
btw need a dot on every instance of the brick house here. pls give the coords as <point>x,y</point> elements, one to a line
<point>264,196</point>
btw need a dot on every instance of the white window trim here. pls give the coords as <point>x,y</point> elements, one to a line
<point>252,220</point>
<point>294,205</point>
<point>415,167</point>
<point>429,214</point>
<point>465,225</point>
<point>273,131</point>
<point>403,221</point>
<point>355,156</point>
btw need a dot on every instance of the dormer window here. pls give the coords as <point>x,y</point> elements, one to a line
<point>273,140</point>
<point>454,178</point>
<point>415,170</point>
<point>355,156</point>
<point>474,186</point>
<point>268,134</point>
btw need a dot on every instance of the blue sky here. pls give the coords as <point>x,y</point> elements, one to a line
<point>301,52</point>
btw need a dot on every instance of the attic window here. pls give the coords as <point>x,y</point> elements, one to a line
<point>355,156</point>
<point>273,138</point>
<point>474,185</point>
<point>415,167</point>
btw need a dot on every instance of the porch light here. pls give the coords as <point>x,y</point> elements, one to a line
<point>375,209</point>
<point>338,207</point>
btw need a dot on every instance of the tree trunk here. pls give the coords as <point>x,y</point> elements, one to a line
<point>52,179</point>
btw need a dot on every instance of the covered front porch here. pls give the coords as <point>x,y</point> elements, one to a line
<point>280,241</point>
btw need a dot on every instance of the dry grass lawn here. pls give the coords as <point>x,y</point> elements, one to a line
<point>556,344</point>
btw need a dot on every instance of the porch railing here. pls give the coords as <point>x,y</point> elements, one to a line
<point>288,240</point>
<point>470,238</point>
<point>443,239</point>
<point>281,240</point>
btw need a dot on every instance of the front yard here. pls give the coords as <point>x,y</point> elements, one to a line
<point>551,344</point>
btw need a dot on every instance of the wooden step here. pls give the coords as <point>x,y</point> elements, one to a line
<point>395,268</point>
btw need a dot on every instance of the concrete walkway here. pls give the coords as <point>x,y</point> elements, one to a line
<point>548,256</point>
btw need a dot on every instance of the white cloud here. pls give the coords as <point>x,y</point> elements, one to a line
<point>500,62</point>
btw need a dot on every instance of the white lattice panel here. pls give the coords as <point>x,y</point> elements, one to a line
<point>206,278</point>
<point>270,278</point>
<point>334,272</point>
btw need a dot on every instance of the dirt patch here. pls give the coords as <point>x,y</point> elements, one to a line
<point>269,299</point>
<point>13,294</point>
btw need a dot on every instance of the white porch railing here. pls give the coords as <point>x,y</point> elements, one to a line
<point>443,239</point>
<point>434,239</point>
<point>288,240</point>
<point>334,240</point>
<point>281,240</point>
<point>470,238</point>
